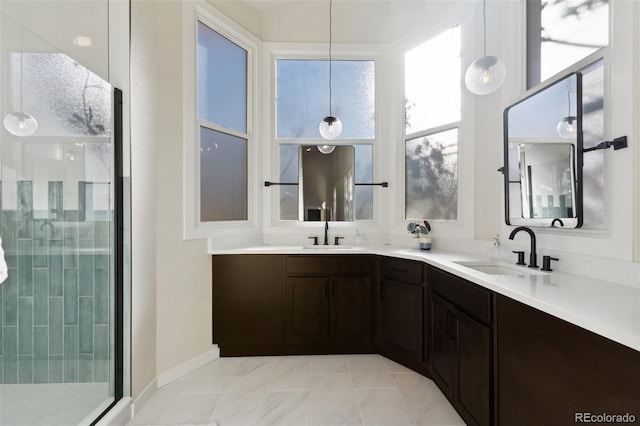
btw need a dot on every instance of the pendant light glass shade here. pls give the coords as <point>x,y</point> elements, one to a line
<point>326,149</point>
<point>485,75</point>
<point>567,127</point>
<point>20,124</point>
<point>330,127</point>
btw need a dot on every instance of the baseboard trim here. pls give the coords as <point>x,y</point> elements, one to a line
<point>188,366</point>
<point>144,397</point>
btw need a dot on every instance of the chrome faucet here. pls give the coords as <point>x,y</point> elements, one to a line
<point>326,233</point>
<point>533,257</point>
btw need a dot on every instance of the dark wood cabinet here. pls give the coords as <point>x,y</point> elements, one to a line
<point>402,296</point>
<point>351,313</point>
<point>497,360</point>
<point>550,371</point>
<point>248,305</point>
<point>329,299</point>
<point>442,344</point>
<point>461,345</point>
<point>307,309</point>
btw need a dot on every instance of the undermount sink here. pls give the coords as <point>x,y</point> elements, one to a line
<point>327,247</point>
<point>491,267</point>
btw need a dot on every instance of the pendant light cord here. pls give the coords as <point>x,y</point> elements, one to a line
<point>21,65</point>
<point>330,43</point>
<point>484,27</point>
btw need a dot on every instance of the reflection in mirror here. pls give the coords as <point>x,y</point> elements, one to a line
<point>327,190</point>
<point>543,156</point>
<point>548,188</point>
<point>299,172</point>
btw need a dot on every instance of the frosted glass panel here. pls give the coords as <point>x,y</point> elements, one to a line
<point>432,176</point>
<point>65,98</point>
<point>289,194</point>
<point>222,80</point>
<point>303,98</point>
<point>364,174</point>
<point>432,82</point>
<point>593,134</point>
<point>223,176</point>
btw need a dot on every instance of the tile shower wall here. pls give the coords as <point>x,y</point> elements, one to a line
<point>55,305</point>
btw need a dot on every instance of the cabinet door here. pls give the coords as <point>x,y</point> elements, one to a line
<point>472,393</point>
<point>403,318</point>
<point>551,371</point>
<point>350,309</point>
<point>442,349</point>
<point>248,302</point>
<point>307,309</point>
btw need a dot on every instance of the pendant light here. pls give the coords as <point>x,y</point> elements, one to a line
<point>19,123</point>
<point>330,126</point>
<point>485,75</point>
<point>567,126</point>
<point>326,149</point>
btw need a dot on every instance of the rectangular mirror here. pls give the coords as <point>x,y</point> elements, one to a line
<point>291,193</point>
<point>327,177</point>
<point>543,156</point>
<point>548,189</point>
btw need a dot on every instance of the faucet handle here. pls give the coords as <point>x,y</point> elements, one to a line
<point>546,263</point>
<point>315,240</point>
<point>520,257</point>
<point>336,240</point>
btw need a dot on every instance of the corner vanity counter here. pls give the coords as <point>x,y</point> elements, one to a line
<point>506,344</point>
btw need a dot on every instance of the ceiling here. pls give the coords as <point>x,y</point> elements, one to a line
<point>354,21</point>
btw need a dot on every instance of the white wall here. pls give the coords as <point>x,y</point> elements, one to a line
<point>183,268</point>
<point>144,136</point>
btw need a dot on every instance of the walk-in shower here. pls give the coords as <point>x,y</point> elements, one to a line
<point>61,306</point>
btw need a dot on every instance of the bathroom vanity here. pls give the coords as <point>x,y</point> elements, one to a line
<point>510,349</point>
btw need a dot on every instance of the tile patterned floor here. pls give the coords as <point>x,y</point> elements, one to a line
<point>327,390</point>
<point>52,404</point>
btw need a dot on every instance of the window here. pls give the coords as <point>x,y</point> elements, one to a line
<point>222,75</point>
<point>302,93</point>
<point>432,117</point>
<point>561,33</point>
<point>303,97</point>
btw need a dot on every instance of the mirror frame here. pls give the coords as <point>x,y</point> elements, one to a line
<point>577,220</point>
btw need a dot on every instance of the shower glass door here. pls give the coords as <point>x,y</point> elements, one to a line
<point>58,310</point>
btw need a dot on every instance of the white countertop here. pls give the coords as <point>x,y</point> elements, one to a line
<point>606,308</point>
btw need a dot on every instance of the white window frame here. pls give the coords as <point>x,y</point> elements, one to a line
<point>319,51</point>
<point>463,226</point>
<point>194,228</point>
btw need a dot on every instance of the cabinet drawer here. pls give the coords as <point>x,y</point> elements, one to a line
<point>467,297</point>
<point>325,265</point>
<point>406,271</point>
